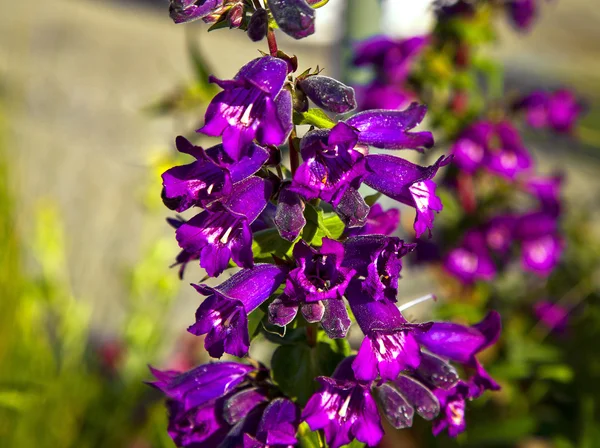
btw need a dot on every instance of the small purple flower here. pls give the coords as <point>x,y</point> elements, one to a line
<point>522,12</point>
<point>554,316</point>
<point>277,426</point>
<point>471,261</point>
<point>408,183</point>
<point>182,11</point>
<point>379,222</point>
<point>559,110</point>
<point>500,233</point>
<point>389,129</point>
<point>452,405</point>
<point>378,259</point>
<point>392,58</point>
<point>378,95</point>
<point>223,315</point>
<point>460,343</point>
<point>541,245</point>
<point>344,408</point>
<point>471,147</point>
<point>547,190</point>
<point>389,345</point>
<point>316,287</point>
<point>332,164</point>
<point>252,105</point>
<point>223,233</point>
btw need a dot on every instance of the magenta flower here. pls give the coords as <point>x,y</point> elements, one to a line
<point>558,110</point>
<point>541,244</point>
<point>252,105</point>
<point>316,287</point>
<point>389,345</point>
<point>471,261</point>
<point>222,233</point>
<point>223,315</point>
<point>332,164</point>
<point>391,58</point>
<point>554,316</point>
<point>277,426</point>
<point>378,259</point>
<point>344,408</point>
<point>408,183</point>
<point>379,222</point>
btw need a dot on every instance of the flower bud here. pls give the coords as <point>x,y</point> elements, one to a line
<point>329,94</point>
<point>258,25</point>
<point>294,17</point>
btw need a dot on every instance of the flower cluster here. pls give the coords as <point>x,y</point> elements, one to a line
<point>303,240</point>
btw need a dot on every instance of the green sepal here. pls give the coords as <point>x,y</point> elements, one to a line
<point>314,117</point>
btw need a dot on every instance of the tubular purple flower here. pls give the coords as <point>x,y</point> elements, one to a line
<point>344,408</point>
<point>223,232</point>
<point>452,403</point>
<point>507,156</point>
<point>389,129</point>
<point>558,110</point>
<point>183,11</point>
<point>378,259</point>
<point>471,261</point>
<point>223,315</point>
<point>408,183</point>
<point>389,345</point>
<point>252,105</point>
<point>541,246</point>
<point>198,183</point>
<point>470,149</point>
<point>202,384</point>
<point>553,316</point>
<point>378,95</point>
<point>379,222</point>
<point>332,164</point>
<point>277,426</point>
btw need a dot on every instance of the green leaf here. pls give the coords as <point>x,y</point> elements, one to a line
<point>557,372</point>
<point>254,322</point>
<point>320,225</point>
<point>371,199</point>
<point>268,242</point>
<point>308,438</point>
<point>314,117</point>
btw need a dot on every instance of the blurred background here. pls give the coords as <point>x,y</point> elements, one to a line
<point>92,94</point>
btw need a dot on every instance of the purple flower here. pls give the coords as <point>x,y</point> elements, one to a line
<point>196,401</point>
<point>547,191</point>
<point>460,343</point>
<point>408,183</point>
<point>389,345</point>
<point>377,258</point>
<point>378,95</point>
<point>471,261</point>
<point>500,233</point>
<point>252,105</point>
<point>316,287</point>
<point>522,12</point>
<point>389,129</point>
<point>552,315</point>
<point>559,110</point>
<point>379,222</point>
<point>541,246</point>
<point>452,405</point>
<point>498,147</point>
<point>223,232</point>
<point>344,408</point>
<point>277,426</point>
<point>223,315</point>
<point>182,11</point>
<point>332,164</point>
<point>392,58</point>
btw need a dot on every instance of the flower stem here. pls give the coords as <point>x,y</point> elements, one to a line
<point>294,156</point>
<point>311,334</point>
<point>272,42</point>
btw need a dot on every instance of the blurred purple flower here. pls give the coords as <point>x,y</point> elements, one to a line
<point>558,110</point>
<point>554,316</point>
<point>182,11</point>
<point>379,222</point>
<point>471,261</point>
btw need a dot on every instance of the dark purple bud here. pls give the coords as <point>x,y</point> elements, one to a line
<point>239,405</point>
<point>352,209</point>
<point>437,372</point>
<point>424,401</point>
<point>182,11</point>
<point>289,217</point>
<point>395,407</point>
<point>282,312</point>
<point>258,25</point>
<point>329,94</point>
<point>335,321</point>
<point>294,17</point>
